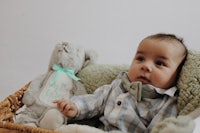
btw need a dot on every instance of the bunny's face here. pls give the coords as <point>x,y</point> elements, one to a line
<point>68,56</point>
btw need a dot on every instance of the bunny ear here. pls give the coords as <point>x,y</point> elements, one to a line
<point>90,57</point>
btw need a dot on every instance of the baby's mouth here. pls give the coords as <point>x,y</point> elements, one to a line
<point>143,79</point>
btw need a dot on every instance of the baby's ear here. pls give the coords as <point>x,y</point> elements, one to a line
<point>90,57</point>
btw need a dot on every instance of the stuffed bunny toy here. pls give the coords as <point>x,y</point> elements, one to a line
<point>59,82</point>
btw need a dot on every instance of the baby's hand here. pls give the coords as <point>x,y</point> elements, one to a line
<point>67,108</point>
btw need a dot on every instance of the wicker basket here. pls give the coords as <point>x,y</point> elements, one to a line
<point>8,108</point>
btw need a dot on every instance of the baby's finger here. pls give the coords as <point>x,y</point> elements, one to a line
<point>56,101</point>
<point>67,107</point>
<point>62,106</point>
<point>65,112</point>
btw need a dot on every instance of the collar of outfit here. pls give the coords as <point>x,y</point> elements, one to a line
<point>144,91</point>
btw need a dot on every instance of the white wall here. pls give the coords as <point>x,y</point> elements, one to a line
<point>29,29</point>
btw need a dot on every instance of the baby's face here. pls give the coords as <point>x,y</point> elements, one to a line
<point>156,62</point>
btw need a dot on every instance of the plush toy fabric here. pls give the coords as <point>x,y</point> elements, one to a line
<point>75,128</point>
<point>58,82</point>
<point>181,124</point>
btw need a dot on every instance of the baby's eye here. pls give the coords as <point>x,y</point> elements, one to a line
<point>140,58</point>
<point>160,63</point>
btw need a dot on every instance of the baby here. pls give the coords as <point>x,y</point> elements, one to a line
<point>141,97</point>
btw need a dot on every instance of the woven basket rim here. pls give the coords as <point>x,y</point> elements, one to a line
<point>8,108</point>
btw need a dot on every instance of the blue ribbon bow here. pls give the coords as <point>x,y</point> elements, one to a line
<point>60,69</point>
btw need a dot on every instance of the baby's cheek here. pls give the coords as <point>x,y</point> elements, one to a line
<point>161,82</point>
<point>131,76</point>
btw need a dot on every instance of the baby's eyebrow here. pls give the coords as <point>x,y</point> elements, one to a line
<point>139,52</point>
<point>158,56</point>
<point>163,57</point>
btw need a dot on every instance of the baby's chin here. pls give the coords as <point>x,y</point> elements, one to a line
<point>143,80</point>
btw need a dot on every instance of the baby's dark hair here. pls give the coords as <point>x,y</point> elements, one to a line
<point>172,37</point>
<point>169,37</point>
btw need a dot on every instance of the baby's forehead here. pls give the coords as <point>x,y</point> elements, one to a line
<point>172,42</point>
<point>161,47</point>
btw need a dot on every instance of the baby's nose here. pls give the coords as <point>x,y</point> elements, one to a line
<point>147,67</point>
